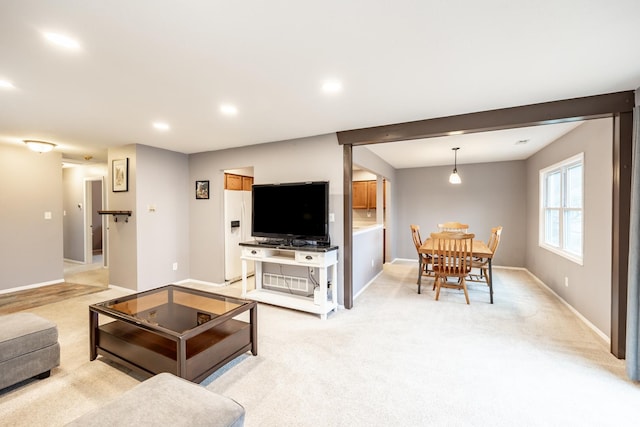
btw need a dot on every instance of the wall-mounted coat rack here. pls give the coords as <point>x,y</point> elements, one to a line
<point>115,214</point>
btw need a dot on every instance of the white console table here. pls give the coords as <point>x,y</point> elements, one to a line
<point>325,259</point>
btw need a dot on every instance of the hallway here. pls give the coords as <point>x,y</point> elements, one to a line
<point>93,274</point>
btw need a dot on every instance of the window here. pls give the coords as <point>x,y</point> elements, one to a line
<point>562,208</point>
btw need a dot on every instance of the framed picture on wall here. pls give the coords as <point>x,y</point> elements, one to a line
<point>120,175</point>
<point>202,189</point>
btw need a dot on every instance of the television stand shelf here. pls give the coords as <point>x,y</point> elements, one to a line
<point>323,258</point>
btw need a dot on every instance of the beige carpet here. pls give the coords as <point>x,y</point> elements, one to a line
<point>397,358</point>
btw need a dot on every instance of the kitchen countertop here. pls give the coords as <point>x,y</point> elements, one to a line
<point>357,229</point>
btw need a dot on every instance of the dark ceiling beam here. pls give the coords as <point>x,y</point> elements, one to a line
<point>589,107</point>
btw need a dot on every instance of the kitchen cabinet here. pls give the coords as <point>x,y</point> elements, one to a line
<point>360,194</point>
<point>247,182</point>
<point>364,195</point>
<point>237,182</point>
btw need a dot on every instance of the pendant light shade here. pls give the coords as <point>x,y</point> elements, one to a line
<point>39,146</point>
<point>454,178</point>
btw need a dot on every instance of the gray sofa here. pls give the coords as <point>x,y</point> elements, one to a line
<point>28,348</point>
<point>166,399</point>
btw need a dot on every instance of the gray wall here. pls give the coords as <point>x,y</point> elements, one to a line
<point>491,194</point>
<point>316,158</point>
<point>122,248</point>
<point>163,235</point>
<point>30,246</point>
<point>367,257</point>
<point>142,251</point>
<point>589,290</point>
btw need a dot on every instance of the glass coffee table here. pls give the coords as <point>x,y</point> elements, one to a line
<point>187,332</point>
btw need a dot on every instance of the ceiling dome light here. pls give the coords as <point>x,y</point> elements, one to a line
<point>228,110</point>
<point>332,86</point>
<point>454,178</point>
<point>39,146</point>
<point>62,41</point>
<point>161,126</point>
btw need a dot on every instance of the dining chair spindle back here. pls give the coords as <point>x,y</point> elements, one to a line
<point>483,263</point>
<point>453,227</point>
<point>453,255</point>
<point>424,260</point>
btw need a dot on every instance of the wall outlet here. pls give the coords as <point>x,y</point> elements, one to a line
<point>175,266</point>
<point>566,281</point>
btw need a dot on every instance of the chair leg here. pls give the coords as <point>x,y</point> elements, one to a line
<point>437,286</point>
<point>464,288</point>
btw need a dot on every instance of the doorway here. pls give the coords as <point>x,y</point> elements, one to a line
<point>94,223</point>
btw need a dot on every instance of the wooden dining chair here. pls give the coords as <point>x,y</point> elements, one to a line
<point>453,227</point>
<point>453,255</point>
<point>483,263</point>
<point>423,259</point>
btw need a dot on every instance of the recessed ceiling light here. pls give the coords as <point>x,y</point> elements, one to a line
<point>456,132</point>
<point>332,86</point>
<point>62,41</point>
<point>228,110</point>
<point>161,126</point>
<point>5,84</point>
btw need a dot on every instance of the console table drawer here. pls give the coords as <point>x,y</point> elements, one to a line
<point>257,253</point>
<point>316,258</point>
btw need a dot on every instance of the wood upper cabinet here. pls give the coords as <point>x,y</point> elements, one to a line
<point>247,182</point>
<point>359,196</point>
<point>237,182</point>
<point>371,194</point>
<point>364,195</point>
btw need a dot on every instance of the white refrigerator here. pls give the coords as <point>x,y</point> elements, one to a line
<point>237,228</point>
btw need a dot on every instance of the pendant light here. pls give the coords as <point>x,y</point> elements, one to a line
<point>454,178</point>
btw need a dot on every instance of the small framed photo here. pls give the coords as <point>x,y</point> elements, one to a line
<point>203,318</point>
<point>202,189</point>
<point>120,175</point>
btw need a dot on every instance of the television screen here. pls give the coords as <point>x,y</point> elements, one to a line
<point>292,211</point>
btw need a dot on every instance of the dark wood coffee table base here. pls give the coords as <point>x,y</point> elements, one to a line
<point>193,355</point>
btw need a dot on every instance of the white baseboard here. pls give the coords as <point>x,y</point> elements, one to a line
<point>569,306</point>
<point>364,288</point>
<point>202,282</point>
<point>121,288</point>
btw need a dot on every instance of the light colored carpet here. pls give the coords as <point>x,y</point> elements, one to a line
<point>397,358</point>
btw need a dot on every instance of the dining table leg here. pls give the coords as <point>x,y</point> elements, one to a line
<point>490,282</point>
<point>419,273</point>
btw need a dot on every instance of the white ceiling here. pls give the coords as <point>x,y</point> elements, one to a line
<point>142,61</point>
<point>484,147</point>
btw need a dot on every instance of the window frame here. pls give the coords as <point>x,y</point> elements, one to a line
<point>563,209</point>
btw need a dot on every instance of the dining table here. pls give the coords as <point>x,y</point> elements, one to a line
<point>479,250</point>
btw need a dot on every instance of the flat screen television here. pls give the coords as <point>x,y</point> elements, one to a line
<point>291,212</point>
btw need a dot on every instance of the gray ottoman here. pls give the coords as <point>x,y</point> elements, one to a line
<point>28,348</point>
<point>166,399</point>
